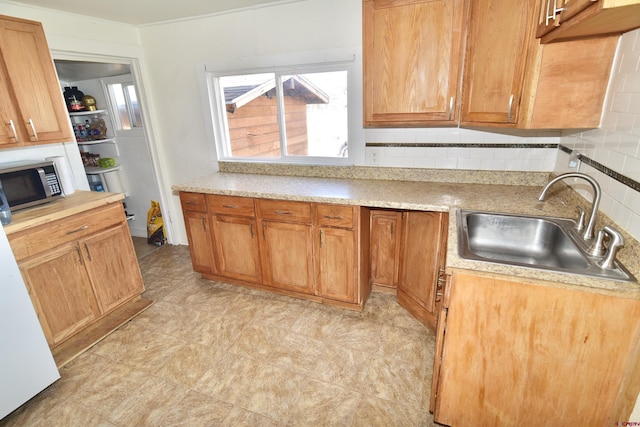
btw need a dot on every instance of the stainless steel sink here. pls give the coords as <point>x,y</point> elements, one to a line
<point>528,241</point>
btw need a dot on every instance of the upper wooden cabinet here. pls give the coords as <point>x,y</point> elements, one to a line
<point>573,19</point>
<point>32,108</point>
<point>496,54</point>
<point>509,79</point>
<point>525,84</point>
<point>412,59</point>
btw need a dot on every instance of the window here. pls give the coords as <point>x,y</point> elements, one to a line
<point>286,114</point>
<point>125,104</point>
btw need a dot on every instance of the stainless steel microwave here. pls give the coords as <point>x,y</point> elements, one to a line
<point>27,184</point>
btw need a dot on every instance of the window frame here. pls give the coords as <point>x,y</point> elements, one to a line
<point>316,62</point>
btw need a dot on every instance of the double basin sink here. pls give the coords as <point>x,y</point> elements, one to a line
<point>530,241</point>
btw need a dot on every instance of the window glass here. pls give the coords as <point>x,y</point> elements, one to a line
<point>121,106</point>
<point>283,115</point>
<point>251,115</point>
<point>125,103</point>
<point>134,107</point>
<point>315,107</point>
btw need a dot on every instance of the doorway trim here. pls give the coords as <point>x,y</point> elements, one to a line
<point>163,188</point>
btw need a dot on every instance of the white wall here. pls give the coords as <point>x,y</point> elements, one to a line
<point>175,54</point>
<point>616,144</point>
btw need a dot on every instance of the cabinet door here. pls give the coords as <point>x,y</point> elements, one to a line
<point>412,59</point>
<point>497,42</point>
<point>27,61</point>
<point>516,352</point>
<point>236,242</point>
<point>337,259</point>
<point>60,291</point>
<point>113,267</point>
<point>423,253</point>
<point>200,241</point>
<point>385,247</point>
<point>8,115</point>
<point>288,256</point>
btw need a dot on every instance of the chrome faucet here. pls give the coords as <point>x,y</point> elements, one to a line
<point>588,231</point>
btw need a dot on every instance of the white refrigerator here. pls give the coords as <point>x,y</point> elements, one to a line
<point>26,364</point>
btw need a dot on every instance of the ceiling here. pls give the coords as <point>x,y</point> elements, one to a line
<point>142,12</point>
<point>75,71</point>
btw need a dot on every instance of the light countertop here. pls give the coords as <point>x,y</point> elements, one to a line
<point>425,196</point>
<point>79,201</point>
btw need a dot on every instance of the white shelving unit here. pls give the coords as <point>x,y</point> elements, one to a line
<point>100,179</point>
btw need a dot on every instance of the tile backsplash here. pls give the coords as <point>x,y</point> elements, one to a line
<point>456,148</point>
<point>616,144</point>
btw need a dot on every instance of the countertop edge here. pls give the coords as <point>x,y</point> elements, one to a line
<point>79,201</point>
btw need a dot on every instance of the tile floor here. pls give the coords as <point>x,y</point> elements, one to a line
<point>212,354</point>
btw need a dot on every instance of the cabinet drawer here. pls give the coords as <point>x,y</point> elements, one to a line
<point>194,202</point>
<point>283,210</point>
<point>42,238</point>
<point>231,205</point>
<point>335,216</point>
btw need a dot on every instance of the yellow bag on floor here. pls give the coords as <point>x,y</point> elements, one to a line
<point>155,225</point>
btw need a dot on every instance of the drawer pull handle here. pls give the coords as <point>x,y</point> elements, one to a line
<point>511,98</point>
<point>86,247</point>
<point>33,128</point>
<point>321,237</point>
<point>333,217</point>
<point>230,206</point>
<point>13,129</point>
<point>79,255</point>
<point>279,212</point>
<point>190,202</point>
<point>77,230</point>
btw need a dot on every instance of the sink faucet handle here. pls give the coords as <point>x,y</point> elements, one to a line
<point>616,241</point>
<point>597,247</point>
<point>581,222</point>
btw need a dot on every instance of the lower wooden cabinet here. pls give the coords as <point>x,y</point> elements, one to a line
<point>112,265</point>
<point>386,235</point>
<point>337,260</point>
<point>287,254</point>
<point>308,250</point>
<point>199,232</point>
<point>236,243</point>
<point>423,254</point>
<point>520,353</point>
<point>61,292</point>
<point>78,269</point>
<point>196,221</point>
